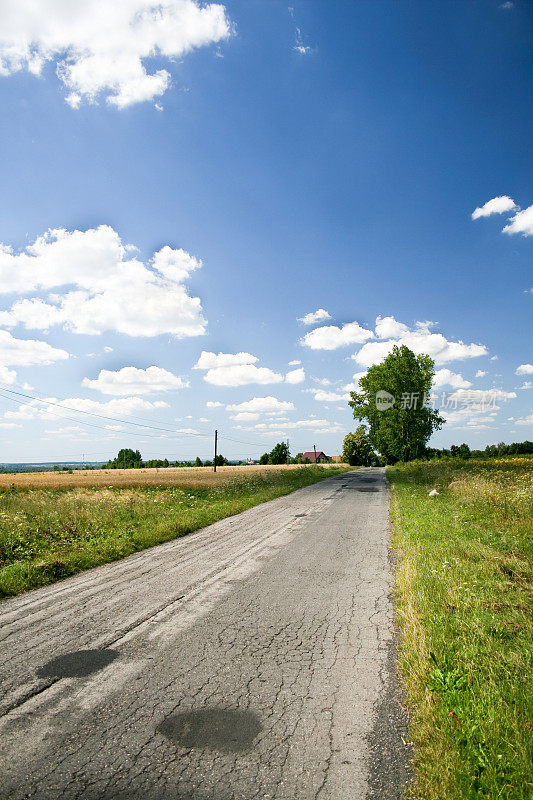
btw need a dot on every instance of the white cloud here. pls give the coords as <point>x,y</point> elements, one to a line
<point>421,340</point>
<point>131,380</point>
<point>245,416</point>
<point>389,328</point>
<point>498,205</point>
<point>101,48</point>
<point>525,420</point>
<point>522,222</point>
<point>294,363</point>
<point>480,373</point>
<point>299,45</point>
<point>445,377</point>
<point>330,337</point>
<point>527,385</point>
<point>263,405</point>
<point>234,369</point>
<point>295,376</point>
<point>315,316</point>
<point>242,375</point>
<point>25,352</point>
<point>9,425</point>
<point>524,369</point>
<point>214,404</point>
<point>114,290</point>
<point>113,408</point>
<point>323,396</point>
<point>317,425</point>
<point>8,376</point>
<point>209,360</point>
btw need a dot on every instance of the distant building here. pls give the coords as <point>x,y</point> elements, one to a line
<point>336,459</point>
<point>320,458</point>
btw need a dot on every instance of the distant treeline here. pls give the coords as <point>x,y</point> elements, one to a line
<point>490,451</point>
<point>132,459</point>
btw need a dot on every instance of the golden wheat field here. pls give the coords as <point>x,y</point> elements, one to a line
<point>195,477</point>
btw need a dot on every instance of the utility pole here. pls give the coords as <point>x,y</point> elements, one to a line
<point>215,460</point>
<point>314,446</point>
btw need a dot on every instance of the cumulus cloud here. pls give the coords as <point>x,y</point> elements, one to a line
<point>445,377</point>
<point>498,205</point>
<point>524,369</point>
<point>480,373</point>
<point>234,369</point>
<point>528,420</point>
<point>113,289</point>
<point>295,376</point>
<point>131,380</point>
<point>209,360</point>
<point>323,396</point>
<point>214,404</point>
<point>315,316</point>
<point>26,352</point>
<point>8,376</point>
<point>241,375</point>
<point>522,222</point>
<point>64,408</point>
<point>420,340</point>
<point>263,405</point>
<point>389,328</point>
<point>101,49</point>
<point>330,337</point>
<point>294,363</point>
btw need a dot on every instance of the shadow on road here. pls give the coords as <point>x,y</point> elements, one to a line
<point>230,731</point>
<point>77,664</point>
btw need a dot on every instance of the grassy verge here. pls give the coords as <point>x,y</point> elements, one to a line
<point>46,535</point>
<point>464,602</point>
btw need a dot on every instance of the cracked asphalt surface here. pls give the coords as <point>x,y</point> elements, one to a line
<point>252,659</point>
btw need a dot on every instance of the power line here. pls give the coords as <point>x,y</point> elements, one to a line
<point>103,416</point>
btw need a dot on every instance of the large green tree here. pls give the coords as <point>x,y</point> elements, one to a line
<point>357,450</point>
<point>279,454</point>
<point>394,400</point>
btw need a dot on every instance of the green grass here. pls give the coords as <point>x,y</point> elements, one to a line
<point>46,535</point>
<point>464,603</point>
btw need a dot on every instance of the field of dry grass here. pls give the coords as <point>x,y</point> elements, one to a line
<point>192,477</point>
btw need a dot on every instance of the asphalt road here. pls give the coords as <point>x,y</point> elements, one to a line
<point>252,659</point>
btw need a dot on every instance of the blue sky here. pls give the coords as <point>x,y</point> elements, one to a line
<point>212,176</point>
